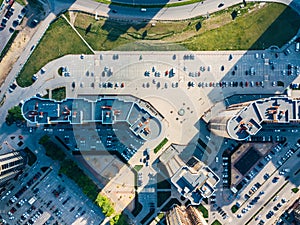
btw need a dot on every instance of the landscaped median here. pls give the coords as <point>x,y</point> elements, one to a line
<point>203,210</point>
<point>160,145</point>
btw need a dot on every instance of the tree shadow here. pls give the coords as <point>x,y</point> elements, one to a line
<point>135,14</point>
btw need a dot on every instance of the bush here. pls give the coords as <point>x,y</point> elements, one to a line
<point>118,220</point>
<point>44,139</point>
<point>69,168</point>
<point>59,94</point>
<point>295,190</point>
<point>234,208</point>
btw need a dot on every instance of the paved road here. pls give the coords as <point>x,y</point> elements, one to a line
<point>171,13</point>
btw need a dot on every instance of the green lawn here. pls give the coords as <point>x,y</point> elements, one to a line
<point>137,168</point>
<point>160,215</point>
<point>216,222</point>
<point>59,93</point>
<point>203,210</point>
<point>256,30</point>
<point>266,25</point>
<point>21,2</point>
<point>160,145</point>
<point>8,45</point>
<point>274,24</point>
<point>149,6</point>
<point>58,40</point>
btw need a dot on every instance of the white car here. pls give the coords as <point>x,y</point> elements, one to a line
<point>281,173</point>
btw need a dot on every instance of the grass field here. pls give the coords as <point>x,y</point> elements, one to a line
<point>137,168</point>
<point>256,30</point>
<point>59,40</point>
<point>273,24</point>
<point>160,145</point>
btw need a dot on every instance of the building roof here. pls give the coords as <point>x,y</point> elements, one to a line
<point>106,110</point>
<point>195,185</point>
<point>271,110</point>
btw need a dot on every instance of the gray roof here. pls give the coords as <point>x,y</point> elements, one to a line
<point>106,110</point>
<point>273,110</point>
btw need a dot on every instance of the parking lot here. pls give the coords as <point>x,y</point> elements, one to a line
<point>262,182</point>
<point>12,16</point>
<point>43,197</point>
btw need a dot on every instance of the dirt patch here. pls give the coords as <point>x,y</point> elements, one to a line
<point>73,16</point>
<point>20,42</point>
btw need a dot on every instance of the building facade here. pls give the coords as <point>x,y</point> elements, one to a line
<point>11,164</point>
<point>184,216</point>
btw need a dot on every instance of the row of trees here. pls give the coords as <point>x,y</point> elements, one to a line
<point>105,205</point>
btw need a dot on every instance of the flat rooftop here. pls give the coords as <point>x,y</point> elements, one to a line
<point>195,185</point>
<point>106,110</point>
<point>270,110</point>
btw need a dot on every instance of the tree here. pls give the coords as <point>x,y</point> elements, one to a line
<point>105,204</point>
<point>14,115</point>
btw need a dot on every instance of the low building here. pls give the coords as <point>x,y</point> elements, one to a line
<point>184,216</point>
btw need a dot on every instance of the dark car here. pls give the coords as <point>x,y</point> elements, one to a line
<point>221,5</point>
